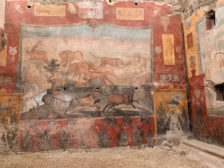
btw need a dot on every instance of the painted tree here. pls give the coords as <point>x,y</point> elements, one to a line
<point>52,68</point>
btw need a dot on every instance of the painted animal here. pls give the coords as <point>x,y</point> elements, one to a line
<point>68,56</point>
<point>99,75</point>
<point>36,54</point>
<point>106,70</point>
<point>81,68</point>
<point>115,62</point>
<point>117,99</point>
<point>88,100</point>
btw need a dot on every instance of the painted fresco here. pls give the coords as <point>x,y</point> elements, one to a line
<point>3,48</point>
<point>6,80</point>
<point>40,10</point>
<point>211,53</point>
<point>2,13</point>
<point>211,56</point>
<point>209,128</point>
<point>39,135</point>
<point>91,10</point>
<point>97,62</point>
<point>191,44</point>
<point>171,111</point>
<point>9,119</point>
<point>168,49</point>
<point>130,13</point>
<point>170,77</point>
<point>78,71</point>
<point>205,72</point>
<point>219,15</point>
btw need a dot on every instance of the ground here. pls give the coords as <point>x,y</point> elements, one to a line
<point>127,157</point>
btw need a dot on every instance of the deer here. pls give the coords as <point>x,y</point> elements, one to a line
<point>117,99</point>
<point>36,54</point>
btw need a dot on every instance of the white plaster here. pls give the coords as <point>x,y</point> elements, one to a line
<point>72,9</point>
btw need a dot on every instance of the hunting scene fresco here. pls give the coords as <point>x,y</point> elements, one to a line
<point>75,71</point>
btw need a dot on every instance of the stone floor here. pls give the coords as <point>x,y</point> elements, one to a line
<point>157,157</point>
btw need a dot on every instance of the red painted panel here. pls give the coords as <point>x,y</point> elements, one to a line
<point>205,127</point>
<point>37,135</point>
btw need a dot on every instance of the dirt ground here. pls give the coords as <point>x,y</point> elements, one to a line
<point>127,157</point>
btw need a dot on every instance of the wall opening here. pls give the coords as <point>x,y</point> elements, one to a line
<point>210,19</point>
<point>220,91</point>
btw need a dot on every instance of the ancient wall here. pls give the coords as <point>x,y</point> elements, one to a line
<point>2,14</point>
<point>93,74</point>
<point>205,58</point>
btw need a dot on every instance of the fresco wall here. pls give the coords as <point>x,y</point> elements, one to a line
<point>94,61</point>
<point>171,112</point>
<point>2,13</point>
<point>204,52</point>
<point>10,104</point>
<point>39,135</point>
<point>211,63</point>
<point>95,68</point>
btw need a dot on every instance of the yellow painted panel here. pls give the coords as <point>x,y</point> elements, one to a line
<point>190,27</point>
<point>168,49</point>
<point>3,55</point>
<point>171,104</point>
<point>40,10</point>
<point>130,13</point>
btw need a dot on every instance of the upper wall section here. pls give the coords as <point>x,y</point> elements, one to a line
<point>199,41</point>
<point>166,65</point>
<point>185,7</point>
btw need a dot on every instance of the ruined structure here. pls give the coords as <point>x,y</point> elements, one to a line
<point>80,74</point>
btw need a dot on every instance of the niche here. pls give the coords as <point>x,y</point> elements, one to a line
<point>210,19</point>
<point>219,89</point>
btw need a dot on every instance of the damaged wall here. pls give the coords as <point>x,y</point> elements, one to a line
<point>42,135</point>
<point>72,60</point>
<point>204,54</point>
<point>94,60</point>
<point>185,7</point>
<point>10,104</point>
<point>191,6</point>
